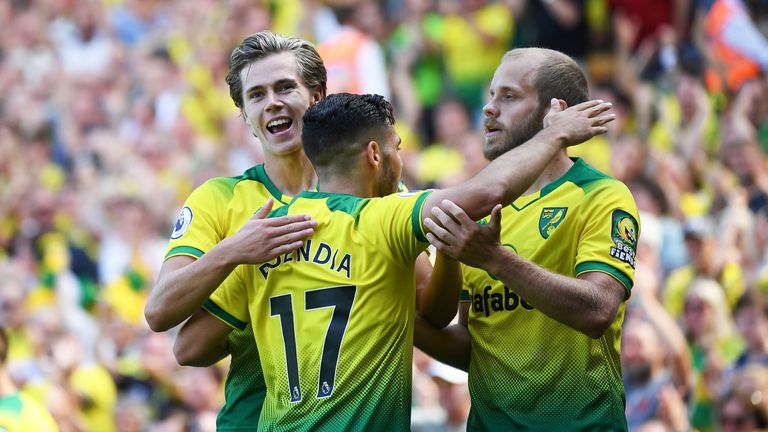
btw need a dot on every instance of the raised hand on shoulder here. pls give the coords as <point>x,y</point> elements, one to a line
<point>262,239</point>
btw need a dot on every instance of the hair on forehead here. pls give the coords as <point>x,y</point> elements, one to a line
<point>265,43</point>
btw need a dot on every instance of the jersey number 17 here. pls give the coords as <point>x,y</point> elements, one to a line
<point>340,298</point>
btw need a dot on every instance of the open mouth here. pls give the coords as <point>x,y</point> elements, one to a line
<point>490,127</point>
<point>279,125</point>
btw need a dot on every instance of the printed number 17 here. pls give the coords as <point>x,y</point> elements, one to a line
<point>340,298</point>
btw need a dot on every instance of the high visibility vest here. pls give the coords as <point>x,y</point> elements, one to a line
<point>339,54</point>
<point>736,68</point>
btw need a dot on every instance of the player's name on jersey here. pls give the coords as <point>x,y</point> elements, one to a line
<point>495,302</point>
<point>317,253</point>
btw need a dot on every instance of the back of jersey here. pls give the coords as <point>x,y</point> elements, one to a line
<point>334,320</point>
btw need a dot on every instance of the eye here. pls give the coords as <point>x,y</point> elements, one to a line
<point>287,87</point>
<point>255,94</point>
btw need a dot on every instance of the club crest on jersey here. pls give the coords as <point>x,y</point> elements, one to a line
<point>624,232</point>
<point>182,223</point>
<point>550,218</point>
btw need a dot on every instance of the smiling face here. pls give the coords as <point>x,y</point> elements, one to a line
<point>274,100</point>
<point>512,114</point>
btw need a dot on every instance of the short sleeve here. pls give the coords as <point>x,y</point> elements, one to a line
<point>229,303</point>
<point>608,241</point>
<point>201,223</point>
<point>399,216</point>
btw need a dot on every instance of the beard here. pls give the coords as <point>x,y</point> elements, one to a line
<point>515,136</point>
<point>389,180</point>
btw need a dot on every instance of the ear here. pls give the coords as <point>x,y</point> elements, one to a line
<point>373,153</point>
<point>317,94</point>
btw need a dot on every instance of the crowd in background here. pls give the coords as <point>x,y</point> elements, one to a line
<point>112,111</point>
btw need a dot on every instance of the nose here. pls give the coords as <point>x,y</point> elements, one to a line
<point>273,100</point>
<point>490,110</point>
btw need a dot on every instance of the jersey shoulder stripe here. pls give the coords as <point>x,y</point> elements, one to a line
<point>348,204</point>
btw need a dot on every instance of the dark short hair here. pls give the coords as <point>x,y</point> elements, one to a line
<point>340,125</point>
<point>557,76</point>
<point>262,44</point>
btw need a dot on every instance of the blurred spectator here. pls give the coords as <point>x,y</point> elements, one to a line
<point>129,257</point>
<point>643,363</point>
<point>476,34</point>
<point>713,342</point>
<point>738,49</point>
<point>352,56</point>
<point>557,24</point>
<point>751,317</point>
<point>81,41</point>
<point>19,412</point>
<point>135,20</point>
<point>744,407</point>
<point>706,261</point>
<point>456,155</point>
<point>415,47</point>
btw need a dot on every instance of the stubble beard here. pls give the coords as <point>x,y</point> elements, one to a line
<point>515,136</point>
<point>388,180</point>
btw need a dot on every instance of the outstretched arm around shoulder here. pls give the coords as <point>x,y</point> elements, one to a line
<point>507,177</point>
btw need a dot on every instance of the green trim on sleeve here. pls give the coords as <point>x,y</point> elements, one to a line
<point>464,296</point>
<point>605,268</point>
<point>223,315</point>
<point>185,250</point>
<point>416,217</point>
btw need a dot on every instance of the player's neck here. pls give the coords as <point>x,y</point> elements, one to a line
<point>346,185</point>
<point>559,165</point>
<point>291,174</point>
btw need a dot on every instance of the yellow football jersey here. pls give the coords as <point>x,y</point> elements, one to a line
<point>334,319</point>
<point>20,413</point>
<point>214,211</point>
<point>529,371</point>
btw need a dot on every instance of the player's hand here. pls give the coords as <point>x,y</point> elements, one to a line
<point>261,240</point>
<point>455,234</point>
<point>580,122</point>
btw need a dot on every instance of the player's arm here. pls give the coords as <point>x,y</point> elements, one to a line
<point>507,177</point>
<point>440,296</point>
<point>450,345</point>
<point>587,303</point>
<point>202,340</point>
<point>184,283</point>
